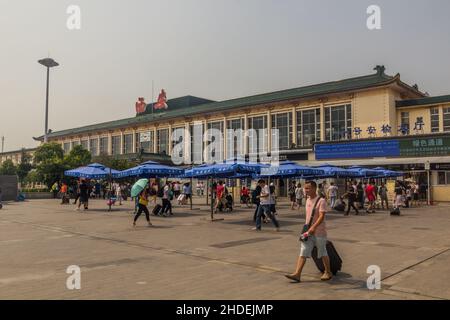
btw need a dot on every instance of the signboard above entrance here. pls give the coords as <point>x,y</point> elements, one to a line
<point>409,147</point>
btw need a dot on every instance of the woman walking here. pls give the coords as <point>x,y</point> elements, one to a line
<point>351,196</point>
<point>142,207</point>
<point>299,195</point>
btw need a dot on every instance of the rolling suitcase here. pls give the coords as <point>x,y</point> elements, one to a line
<point>395,212</point>
<point>340,207</point>
<point>335,259</point>
<point>157,209</point>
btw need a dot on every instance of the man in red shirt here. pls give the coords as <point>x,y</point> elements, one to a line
<point>220,190</point>
<point>371,196</point>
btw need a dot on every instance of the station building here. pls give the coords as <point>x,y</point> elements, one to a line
<point>372,120</point>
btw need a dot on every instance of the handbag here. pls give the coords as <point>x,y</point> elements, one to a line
<point>307,226</point>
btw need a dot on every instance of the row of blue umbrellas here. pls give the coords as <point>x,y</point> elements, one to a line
<point>231,169</point>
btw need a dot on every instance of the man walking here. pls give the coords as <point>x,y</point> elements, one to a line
<point>370,196</point>
<point>332,194</point>
<point>351,196</point>
<point>316,234</point>
<point>382,191</point>
<point>266,202</point>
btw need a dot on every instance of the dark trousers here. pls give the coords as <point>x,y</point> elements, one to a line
<point>351,205</point>
<point>77,196</point>
<point>256,212</point>
<point>167,206</point>
<point>266,209</point>
<point>141,209</point>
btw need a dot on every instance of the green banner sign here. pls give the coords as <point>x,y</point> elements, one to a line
<point>419,147</point>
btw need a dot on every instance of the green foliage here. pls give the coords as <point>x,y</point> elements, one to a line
<point>77,157</point>
<point>24,167</point>
<point>114,163</point>
<point>50,165</point>
<point>8,168</point>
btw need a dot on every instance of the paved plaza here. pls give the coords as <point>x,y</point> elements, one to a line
<point>187,256</point>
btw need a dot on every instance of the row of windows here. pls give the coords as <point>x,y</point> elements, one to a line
<point>338,124</point>
<point>434,119</point>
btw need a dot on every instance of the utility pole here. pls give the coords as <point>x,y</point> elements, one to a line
<point>3,143</point>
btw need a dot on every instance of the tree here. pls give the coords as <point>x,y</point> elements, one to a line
<point>77,157</point>
<point>50,166</point>
<point>114,163</point>
<point>8,168</point>
<point>25,166</point>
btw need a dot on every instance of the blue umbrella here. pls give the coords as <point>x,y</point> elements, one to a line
<point>385,173</point>
<point>92,171</point>
<point>336,172</point>
<point>225,170</point>
<point>151,169</point>
<point>363,172</point>
<point>289,169</point>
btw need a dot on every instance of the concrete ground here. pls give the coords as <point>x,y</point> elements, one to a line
<point>187,256</point>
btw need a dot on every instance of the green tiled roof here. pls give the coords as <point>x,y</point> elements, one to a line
<point>373,80</point>
<point>423,101</point>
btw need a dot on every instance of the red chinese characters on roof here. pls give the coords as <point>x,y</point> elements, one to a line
<point>141,105</point>
<point>162,101</point>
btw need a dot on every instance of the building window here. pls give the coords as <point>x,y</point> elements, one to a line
<point>104,145</point>
<point>178,134</point>
<point>258,144</point>
<point>235,144</point>
<point>75,143</point>
<point>446,119</point>
<point>128,143</point>
<point>144,141</point>
<point>218,125</point>
<point>434,115</point>
<point>196,131</point>
<point>338,123</point>
<point>283,122</point>
<point>115,144</point>
<point>308,127</point>
<point>163,141</point>
<point>443,177</point>
<point>84,144</point>
<point>93,147</point>
<point>404,116</point>
<point>66,147</point>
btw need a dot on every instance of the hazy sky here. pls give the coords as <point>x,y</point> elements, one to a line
<point>217,49</point>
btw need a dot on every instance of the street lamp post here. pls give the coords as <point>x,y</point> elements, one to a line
<point>48,63</point>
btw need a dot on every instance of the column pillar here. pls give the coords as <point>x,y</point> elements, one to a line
<point>155,149</point>
<point>294,126</point>
<point>109,143</point>
<point>170,140</point>
<point>245,134</point>
<point>122,143</point>
<point>133,141</point>
<point>322,122</point>
<point>224,142</point>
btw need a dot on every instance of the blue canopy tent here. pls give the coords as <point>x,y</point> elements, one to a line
<point>384,173</point>
<point>336,172</point>
<point>227,169</point>
<point>363,172</point>
<point>289,169</point>
<point>151,169</point>
<point>94,171</point>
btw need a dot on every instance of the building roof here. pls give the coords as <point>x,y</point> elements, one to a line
<point>423,101</point>
<point>17,151</point>
<point>311,91</point>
